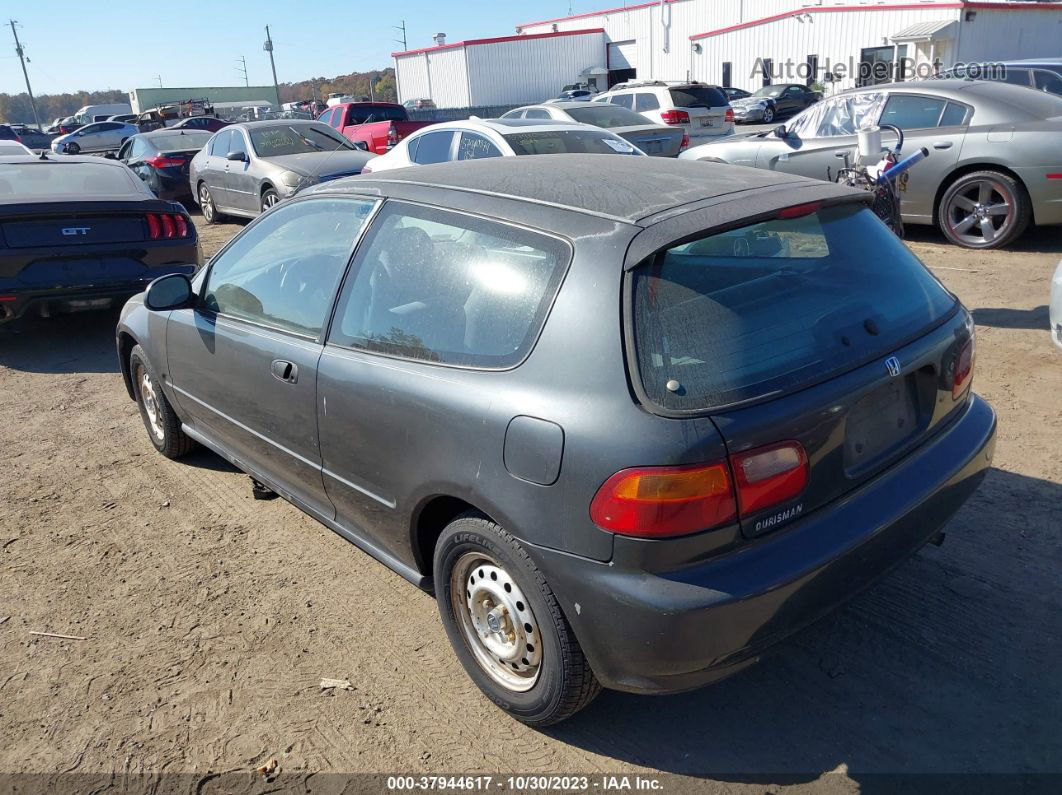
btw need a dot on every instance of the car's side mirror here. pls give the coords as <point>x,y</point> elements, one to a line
<point>173,291</point>
<point>361,145</point>
<point>781,131</point>
<point>238,156</point>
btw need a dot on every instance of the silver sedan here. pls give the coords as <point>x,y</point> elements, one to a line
<point>995,152</point>
<point>245,169</point>
<point>654,139</point>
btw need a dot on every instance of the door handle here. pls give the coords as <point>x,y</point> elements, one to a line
<point>284,371</point>
<point>942,144</point>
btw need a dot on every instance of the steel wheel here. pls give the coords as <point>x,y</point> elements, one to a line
<point>206,204</point>
<point>497,621</point>
<point>981,212</point>
<point>151,404</point>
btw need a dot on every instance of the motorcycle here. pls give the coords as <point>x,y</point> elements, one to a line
<point>877,170</point>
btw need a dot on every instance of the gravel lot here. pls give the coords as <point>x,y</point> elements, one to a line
<point>209,618</point>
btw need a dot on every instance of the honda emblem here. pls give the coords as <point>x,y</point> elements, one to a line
<point>892,364</point>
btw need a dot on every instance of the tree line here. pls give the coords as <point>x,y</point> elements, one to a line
<point>15,108</point>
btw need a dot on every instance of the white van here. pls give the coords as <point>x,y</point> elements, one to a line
<point>88,114</point>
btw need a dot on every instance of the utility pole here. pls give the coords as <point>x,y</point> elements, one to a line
<point>402,40</point>
<point>159,78</point>
<point>25,74</point>
<point>242,67</point>
<point>268,47</point>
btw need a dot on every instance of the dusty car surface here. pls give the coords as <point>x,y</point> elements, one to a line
<point>994,152</point>
<point>579,416</point>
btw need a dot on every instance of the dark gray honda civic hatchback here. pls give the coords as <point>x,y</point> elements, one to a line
<point>633,421</point>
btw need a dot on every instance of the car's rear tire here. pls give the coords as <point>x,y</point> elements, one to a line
<point>984,210</point>
<point>206,205</point>
<point>269,198</point>
<point>160,420</point>
<point>506,626</point>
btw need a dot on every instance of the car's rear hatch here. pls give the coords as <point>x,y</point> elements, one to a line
<point>707,107</point>
<point>819,329</point>
<point>655,139</point>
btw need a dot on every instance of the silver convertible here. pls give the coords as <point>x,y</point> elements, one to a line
<point>995,152</point>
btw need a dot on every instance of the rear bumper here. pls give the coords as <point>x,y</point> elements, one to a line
<point>16,300</point>
<point>669,632</point>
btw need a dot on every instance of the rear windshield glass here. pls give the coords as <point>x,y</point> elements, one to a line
<point>555,142</point>
<point>178,141</point>
<point>607,115</point>
<point>357,114</point>
<point>768,308</point>
<point>698,97</point>
<point>289,139</point>
<point>44,179</point>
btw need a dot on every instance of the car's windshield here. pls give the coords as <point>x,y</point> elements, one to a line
<point>45,178</point>
<point>187,139</point>
<point>553,142</point>
<point>607,116</point>
<point>768,91</point>
<point>289,139</point>
<point>768,308</point>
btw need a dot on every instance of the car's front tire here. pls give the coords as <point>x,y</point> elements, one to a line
<point>506,626</point>
<point>768,115</point>
<point>160,420</point>
<point>269,198</point>
<point>72,148</point>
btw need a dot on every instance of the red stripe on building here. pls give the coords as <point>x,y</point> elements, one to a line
<point>501,39</point>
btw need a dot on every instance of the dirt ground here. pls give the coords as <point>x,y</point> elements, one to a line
<point>209,618</point>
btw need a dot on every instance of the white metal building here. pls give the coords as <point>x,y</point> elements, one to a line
<point>502,71</point>
<point>728,42</point>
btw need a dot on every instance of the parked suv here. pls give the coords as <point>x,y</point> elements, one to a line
<point>432,364</point>
<point>703,111</point>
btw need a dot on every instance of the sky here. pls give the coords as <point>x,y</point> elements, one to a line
<point>119,44</point>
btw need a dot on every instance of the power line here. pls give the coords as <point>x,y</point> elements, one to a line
<point>242,67</point>
<point>22,59</point>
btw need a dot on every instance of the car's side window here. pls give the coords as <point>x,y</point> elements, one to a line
<point>623,100</point>
<point>473,147</point>
<point>513,114</point>
<point>912,112</point>
<point>137,148</point>
<point>284,270</point>
<point>954,115</point>
<point>536,113</point>
<point>123,153</point>
<point>1019,77</point>
<point>645,101</point>
<point>1048,81</point>
<point>219,144</point>
<point>326,117</point>
<point>433,147</point>
<point>444,287</point>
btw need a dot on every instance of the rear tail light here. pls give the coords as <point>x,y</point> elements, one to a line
<point>656,502</point>
<point>392,135</point>
<point>161,161</point>
<point>769,475</point>
<point>729,117</point>
<point>685,140</point>
<point>675,117</point>
<point>964,367</point>
<point>167,226</point>
<point>660,502</point>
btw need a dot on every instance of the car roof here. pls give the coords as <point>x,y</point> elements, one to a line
<point>502,126</point>
<point>1033,62</point>
<point>1009,102</point>
<point>632,190</point>
<point>173,131</point>
<point>252,125</point>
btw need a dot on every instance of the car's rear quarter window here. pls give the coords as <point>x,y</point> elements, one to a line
<point>769,308</point>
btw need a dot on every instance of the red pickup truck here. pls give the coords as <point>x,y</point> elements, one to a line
<point>378,125</point>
